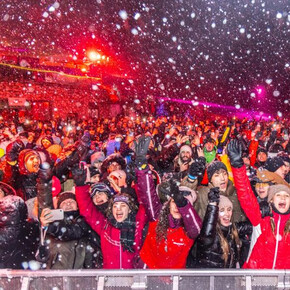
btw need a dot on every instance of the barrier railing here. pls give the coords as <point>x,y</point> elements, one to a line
<point>145,279</point>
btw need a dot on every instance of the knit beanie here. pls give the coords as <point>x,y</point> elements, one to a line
<point>22,159</point>
<point>97,157</point>
<point>272,164</point>
<point>213,167</point>
<point>225,202</point>
<point>209,140</point>
<point>65,195</point>
<point>126,198</point>
<point>273,189</point>
<point>186,148</point>
<point>261,149</point>
<point>47,138</point>
<point>100,187</point>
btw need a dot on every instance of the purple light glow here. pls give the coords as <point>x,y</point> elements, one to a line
<point>240,113</point>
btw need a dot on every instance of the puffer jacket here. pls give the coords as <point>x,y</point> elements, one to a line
<point>114,256</point>
<point>71,243</point>
<point>171,252</point>
<point>209,251</point>
<point>18,237</point>
<point>269,250</point>
<point>230,193</point>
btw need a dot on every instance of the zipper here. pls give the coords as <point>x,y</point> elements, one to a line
<point>120,251</point>
<point>277,243</point>
<point>149,195</point>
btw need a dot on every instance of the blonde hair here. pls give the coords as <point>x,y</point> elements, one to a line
<point>286,228</point>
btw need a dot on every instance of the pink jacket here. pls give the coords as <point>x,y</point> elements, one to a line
<point>114,257</point>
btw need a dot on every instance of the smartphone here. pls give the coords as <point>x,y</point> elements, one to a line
<point>57,214</point>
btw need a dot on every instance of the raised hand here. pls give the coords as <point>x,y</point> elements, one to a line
<point>234,150</point>
<point>79,175</point>
<point>197,168</point>
<point>141,148</point>
<point>214,195</point>
<point>176,195</point>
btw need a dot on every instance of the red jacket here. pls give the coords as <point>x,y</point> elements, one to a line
<point>270,251</point>
<point>168,254</point>
<point>171,253</point>
<point>114,257</point>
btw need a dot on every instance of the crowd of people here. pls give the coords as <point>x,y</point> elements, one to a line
<point>155,192</point>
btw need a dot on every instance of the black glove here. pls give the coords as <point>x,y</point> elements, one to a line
<point>214,195</point>
<point>196,169</point>
<point>178,198</point>
<point>265,208</point>
<point>79,175</point>
<point>45,174</point>
<point>234,150</point>
<point>13,149</point>
<point>141,148</point>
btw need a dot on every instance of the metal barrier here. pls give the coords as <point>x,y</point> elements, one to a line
<point>145,279</point>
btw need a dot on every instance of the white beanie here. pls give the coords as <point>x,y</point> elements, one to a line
<point>225,202</point>
<point>186,148</point>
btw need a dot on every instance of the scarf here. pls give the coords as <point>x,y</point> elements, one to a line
<point>127,228</point>
<point>209,156</point>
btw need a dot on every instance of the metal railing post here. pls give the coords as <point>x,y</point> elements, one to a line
<point>101,283</point>
<point>248,283</point>
<point>175,282</point>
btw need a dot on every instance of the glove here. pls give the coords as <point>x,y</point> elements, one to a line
<point>214,195</point>
<point>235,153</point>
<point>141,148</point>
<point>13,149</point>
<point>79,175</point>
<point>196,169</point>
<point>175,194</point>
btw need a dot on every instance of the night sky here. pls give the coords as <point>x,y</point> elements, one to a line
<point>215,51</point>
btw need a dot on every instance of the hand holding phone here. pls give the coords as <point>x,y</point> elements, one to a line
<point>50,215</point>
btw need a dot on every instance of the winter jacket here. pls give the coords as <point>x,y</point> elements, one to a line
<point>202,201</point>
<point>209,251</point>
<point>271,250</point>
<point>114,256</point>
<point>72,243</point>
<point>18,237</point>
<point>171,252</point>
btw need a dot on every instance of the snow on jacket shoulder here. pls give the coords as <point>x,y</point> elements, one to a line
<point>271,250</point>
<point>114,257</point>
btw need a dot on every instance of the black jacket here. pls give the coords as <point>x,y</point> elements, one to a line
<point>72,244</point>
<point>18,237</point>
<point>209,251</point>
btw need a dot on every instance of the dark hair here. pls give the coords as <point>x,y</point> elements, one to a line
<point>163,222</point>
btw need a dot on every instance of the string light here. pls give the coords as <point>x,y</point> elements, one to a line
<point>49,71</point>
